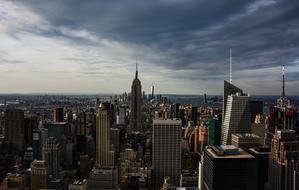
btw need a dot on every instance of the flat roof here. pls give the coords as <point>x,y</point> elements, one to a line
<point>167,121</point>
<point>242,154</point>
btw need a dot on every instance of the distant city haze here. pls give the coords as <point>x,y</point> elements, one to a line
<point>182,47</point>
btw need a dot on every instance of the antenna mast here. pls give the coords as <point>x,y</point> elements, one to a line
<point>283,82</point>
<point>230,66</point>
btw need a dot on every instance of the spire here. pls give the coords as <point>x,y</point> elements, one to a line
<point>136,74</point>
<point>230,66</point>
<point>283,81</point>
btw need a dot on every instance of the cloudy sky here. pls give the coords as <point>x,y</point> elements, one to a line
<point>182,46</point>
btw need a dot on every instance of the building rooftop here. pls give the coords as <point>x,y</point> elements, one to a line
<point>246,135</point>
<point>167,121</point>
<point>222,154</point>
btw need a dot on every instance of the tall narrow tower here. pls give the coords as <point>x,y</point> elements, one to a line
<point>135,116</point>
<point>152,91</point>
<point>51,151</point>
<point>104,157</point>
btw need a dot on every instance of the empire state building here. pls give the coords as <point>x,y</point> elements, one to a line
<point>135,116</point>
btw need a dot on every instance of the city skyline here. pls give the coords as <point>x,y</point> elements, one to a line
<point>181,47</point>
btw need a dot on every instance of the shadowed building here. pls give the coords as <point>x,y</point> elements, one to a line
<point>228,168</point>
<point>261,155</point>
<point>51,152</point>
<point>245,140</point>
<point>39,175</point>
<point>214,127</point>
<point>15,128</point>
<point>166,160</point>
<point>256,108</point>
<point>58,115</point>
<point>284,161</point>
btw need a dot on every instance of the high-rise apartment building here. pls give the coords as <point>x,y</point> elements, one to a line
<point>136,101</point>
<point>39,175</point>
<point>15,128</point>
<point>166,159</point>
<point>51,152</point>
<point>237,117</point>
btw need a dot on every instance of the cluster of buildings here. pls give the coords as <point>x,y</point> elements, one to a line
<point>134,141</point>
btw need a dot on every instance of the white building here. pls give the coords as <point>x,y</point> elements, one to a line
<point>237,117</point>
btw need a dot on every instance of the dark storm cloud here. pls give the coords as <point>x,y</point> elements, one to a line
<point>187,35</point>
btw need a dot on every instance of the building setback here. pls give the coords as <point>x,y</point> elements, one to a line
<point>136,101</point>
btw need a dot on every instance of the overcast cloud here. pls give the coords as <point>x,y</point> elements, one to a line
<point>72,46</point>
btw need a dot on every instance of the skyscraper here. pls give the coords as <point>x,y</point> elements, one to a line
<point>261,155</point>
<point>152,92</point>
<point>166,160</point>
<point>227,168</point>
<point>103,175</point>
<point>215,130</point>
<point>15,128</point>
<point>256,108</point>
<point>30,124</point>
<point>40,137</point>
<point>283,116</point>
<point>81,124</point>
<point>228,90</point>
<point>284,161</point>
<point>136,100</point>
<point>104,156</point>
<point>237,117</point>
<point>39,175</point>
<point>58,115</point>
<point>51,153</point>
<point>194,113</point>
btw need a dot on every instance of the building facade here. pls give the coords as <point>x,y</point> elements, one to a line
<point>39,175</point>
<point>51,152</point>
<point>166,159</point>
<point>136,101</point>
<point>237,117</point>
<point>15,128</point>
